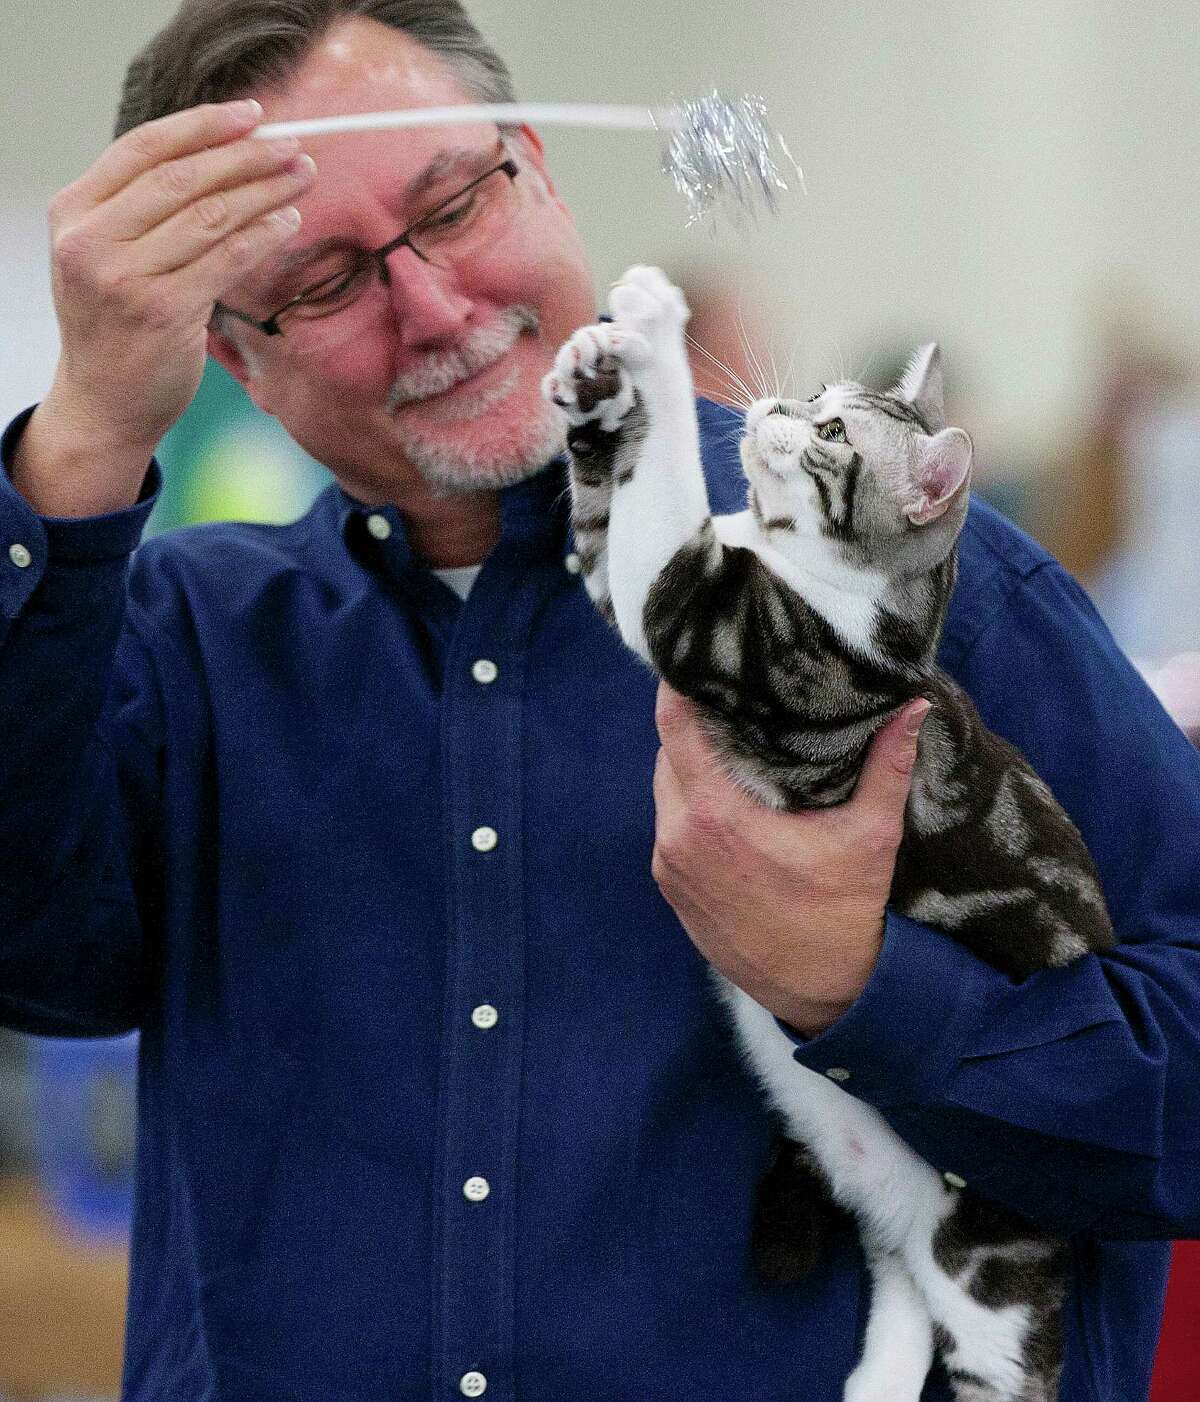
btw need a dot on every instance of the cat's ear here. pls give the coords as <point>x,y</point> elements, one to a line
<point>921,386</point>
<point>942,472</point>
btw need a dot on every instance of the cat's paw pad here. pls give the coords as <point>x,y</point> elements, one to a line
<point>646,301</point>
<point>589,381</point>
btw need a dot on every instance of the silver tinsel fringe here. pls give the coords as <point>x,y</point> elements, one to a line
<point>723,150</point>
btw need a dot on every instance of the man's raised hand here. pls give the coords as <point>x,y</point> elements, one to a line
<point>142,245</point>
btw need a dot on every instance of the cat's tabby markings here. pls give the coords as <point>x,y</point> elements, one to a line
<point>798,627</point>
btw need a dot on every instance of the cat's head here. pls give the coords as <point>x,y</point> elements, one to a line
<point>876,475</point>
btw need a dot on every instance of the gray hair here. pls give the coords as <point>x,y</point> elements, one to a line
<point>217,50</point>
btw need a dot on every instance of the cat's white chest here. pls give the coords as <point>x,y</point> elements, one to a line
<point>847,597</point>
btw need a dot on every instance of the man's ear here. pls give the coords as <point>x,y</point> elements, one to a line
<point>242,364</point>
<point>531,149</point>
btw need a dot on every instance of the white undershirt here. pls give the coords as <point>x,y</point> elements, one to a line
<point>460,578</point>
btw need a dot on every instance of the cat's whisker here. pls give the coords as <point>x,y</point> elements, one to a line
<point>777,391</point>
<point>832,363</point>
<point>728,400</point>
<point>563,496</point>
<point>760,379</point>
<point>734,381</point>
<point>791,370</point>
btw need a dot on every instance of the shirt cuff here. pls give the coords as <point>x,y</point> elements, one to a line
<point>31,542</point>
<point>903,1036</point>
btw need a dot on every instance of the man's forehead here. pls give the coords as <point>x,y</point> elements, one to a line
<point>404,195</point>
<point>363,65</point>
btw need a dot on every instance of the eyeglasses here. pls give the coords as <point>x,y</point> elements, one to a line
<point>459,226</point>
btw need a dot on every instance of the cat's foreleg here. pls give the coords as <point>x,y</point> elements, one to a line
<point>663,505</point>
<point>595,393</point>
<point>657,501</point>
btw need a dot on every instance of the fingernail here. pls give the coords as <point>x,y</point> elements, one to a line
<point>248,109</point>
<point>914,716</point>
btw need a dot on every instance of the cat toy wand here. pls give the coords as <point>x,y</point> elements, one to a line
<point>719,148</point>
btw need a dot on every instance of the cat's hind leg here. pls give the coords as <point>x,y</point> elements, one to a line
<point>795,1216</point>
<point>898,1344</point>
<point>994,1286</point>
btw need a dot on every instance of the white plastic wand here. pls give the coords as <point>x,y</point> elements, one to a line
<point>547,113</point>
<point>719,146</point>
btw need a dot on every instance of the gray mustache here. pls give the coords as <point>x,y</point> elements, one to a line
<point>442,370</point>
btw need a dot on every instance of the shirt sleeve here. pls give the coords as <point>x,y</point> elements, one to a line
<point>1073,1096</point>
<point>80,717</point>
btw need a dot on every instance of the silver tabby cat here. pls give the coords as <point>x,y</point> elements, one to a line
<point>798,627</point>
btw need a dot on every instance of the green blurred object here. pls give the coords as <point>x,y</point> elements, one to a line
<point>225,460</point>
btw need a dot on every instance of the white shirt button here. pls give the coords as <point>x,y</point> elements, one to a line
<point>573,563</point>
<point>20,556</point>
<point>485,671</point>
<point>476,1189</point>
<point>379,526</point>
<point>472,1384</point>
<point>484,839</point>
<point>838,1073</point>
<point>485,1016</point>
<point>952,1180</point>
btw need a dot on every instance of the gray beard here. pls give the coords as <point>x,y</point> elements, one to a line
<point>500,465</point>
<point>450,469</point>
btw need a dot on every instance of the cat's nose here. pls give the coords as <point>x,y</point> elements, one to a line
<point>777,435</point>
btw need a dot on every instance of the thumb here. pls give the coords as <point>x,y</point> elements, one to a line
<point>886,775</point>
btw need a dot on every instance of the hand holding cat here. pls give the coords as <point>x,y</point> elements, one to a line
<point>788,906</point>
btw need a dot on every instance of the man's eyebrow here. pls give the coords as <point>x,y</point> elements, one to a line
<point>452,161</point>
<point>441,167</point>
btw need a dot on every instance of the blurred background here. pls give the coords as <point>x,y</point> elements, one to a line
<point>1016,181</point>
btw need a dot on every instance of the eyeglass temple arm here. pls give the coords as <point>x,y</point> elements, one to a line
<point>268,328</point>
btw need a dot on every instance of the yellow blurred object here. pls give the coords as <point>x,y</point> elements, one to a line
<point>62,1304</point>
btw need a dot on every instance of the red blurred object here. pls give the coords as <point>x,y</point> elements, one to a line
<point>1177,1364</point>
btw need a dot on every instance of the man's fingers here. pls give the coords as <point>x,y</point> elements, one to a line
<point>209,277</point>
<point>668,795</point>
<point>882,790</point>
<point>693,760</point>
<point>204,189</point>
<point>153,143</point>
<point>188,237</point>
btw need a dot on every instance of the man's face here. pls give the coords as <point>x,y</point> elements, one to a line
<point>439,373</point>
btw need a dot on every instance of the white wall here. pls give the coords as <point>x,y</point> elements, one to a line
<point>979,172</point>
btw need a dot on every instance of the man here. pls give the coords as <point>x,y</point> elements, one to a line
<point>434,1099</point>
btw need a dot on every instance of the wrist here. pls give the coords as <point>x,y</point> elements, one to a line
<point>65,465</point>
<point>832,988</point>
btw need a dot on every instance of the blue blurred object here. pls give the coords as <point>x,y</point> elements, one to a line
<point>84,1106</point>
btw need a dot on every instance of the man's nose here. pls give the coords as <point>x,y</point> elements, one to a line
<point>428,305</point>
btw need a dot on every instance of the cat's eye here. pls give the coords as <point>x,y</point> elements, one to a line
<point>832,432</point>
<point>812,398</point>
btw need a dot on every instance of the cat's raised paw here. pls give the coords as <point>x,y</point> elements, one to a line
<point>645,300</point>
<point>589,381</point>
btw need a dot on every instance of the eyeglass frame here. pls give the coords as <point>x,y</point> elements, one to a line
<point>376,257</point>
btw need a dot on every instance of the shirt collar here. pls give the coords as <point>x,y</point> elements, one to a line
<point>534,519</point>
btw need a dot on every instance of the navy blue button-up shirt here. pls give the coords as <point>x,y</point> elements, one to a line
<point>244,779</point>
